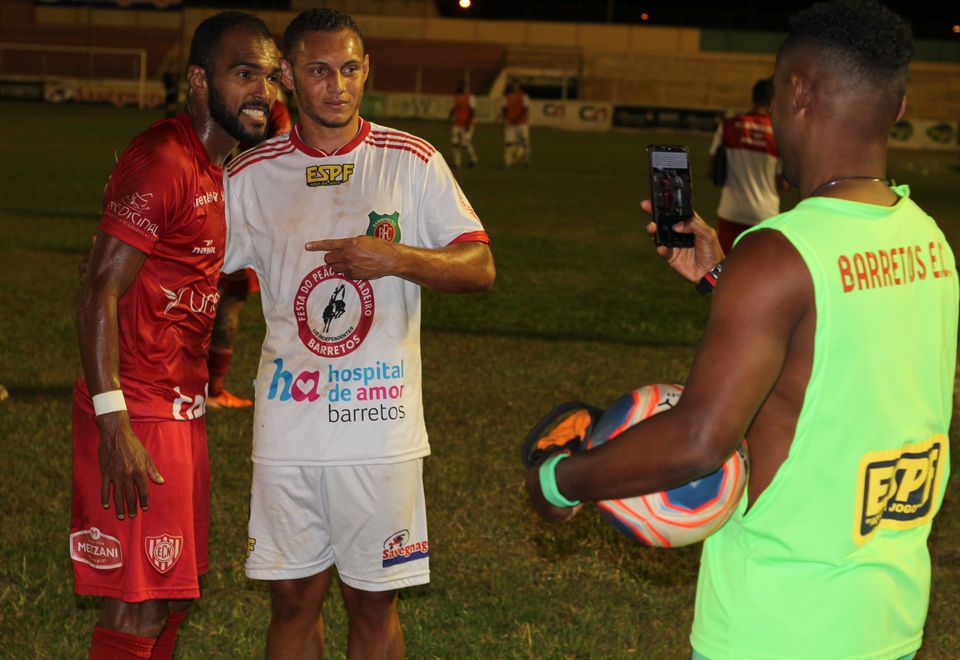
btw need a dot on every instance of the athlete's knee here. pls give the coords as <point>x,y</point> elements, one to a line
<point>370,608</point>
<point>179,605</point>
<point>143,619</point>
<point>291,600</point>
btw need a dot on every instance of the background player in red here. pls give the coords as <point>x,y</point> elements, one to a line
<point>515,110</point>
<point>144,315</point>
<point>752,183</point>
<point>234,289</point>
<point>463,116</point>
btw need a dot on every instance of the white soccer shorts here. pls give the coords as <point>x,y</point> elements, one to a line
<point>461,136</point>
<point>518,134</point>
<point>368,520</point>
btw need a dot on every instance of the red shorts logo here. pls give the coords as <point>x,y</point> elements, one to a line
<point>94,548</point>
<point>163,551</point>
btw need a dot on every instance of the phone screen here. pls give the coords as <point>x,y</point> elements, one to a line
<point>671,192</point>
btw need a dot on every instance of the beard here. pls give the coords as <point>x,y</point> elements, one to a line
<point>230,122</point>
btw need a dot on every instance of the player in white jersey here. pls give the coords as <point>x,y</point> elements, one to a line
<point>751,187</point>
<point>339,434</point>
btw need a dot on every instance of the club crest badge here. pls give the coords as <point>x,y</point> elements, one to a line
<point>385,226</point>
<point>163,551</point>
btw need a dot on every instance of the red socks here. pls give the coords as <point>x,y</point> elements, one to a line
<point>113,645</point>
<point>167,641</point>
<point>217,364</point>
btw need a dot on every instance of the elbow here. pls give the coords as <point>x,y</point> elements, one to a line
<point>483,275</point>
<point>487,277</point>
<point>711,447</point>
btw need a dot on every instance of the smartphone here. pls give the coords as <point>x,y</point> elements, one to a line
<point>671,192</point>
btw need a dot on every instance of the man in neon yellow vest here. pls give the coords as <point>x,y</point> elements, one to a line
<point>831,346</point>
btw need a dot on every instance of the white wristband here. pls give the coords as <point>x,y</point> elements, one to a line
<point>108,402</point>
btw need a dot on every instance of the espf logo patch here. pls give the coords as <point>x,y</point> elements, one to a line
<point>163,551</point>
<point>398,549</point>
<point>94,548</point>
<point>329,175</point>
<point>385,226</point>
<point>898,489</point>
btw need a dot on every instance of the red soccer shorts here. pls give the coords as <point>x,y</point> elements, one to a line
<point>727,232</point>
<point>160,553</point>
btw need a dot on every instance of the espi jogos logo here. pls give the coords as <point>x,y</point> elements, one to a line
<point>898,489</point>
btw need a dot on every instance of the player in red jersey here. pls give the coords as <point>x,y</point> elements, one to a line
<point>144,315</point>
<point>463,116</point>
<point>515,110</point>
<point>234,289</point>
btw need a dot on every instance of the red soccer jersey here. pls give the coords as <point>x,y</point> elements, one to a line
<point>165,198</point>
<point>516,104</point>
<point>279,119</point>
<point>462,112</point>
<point>751,131</point>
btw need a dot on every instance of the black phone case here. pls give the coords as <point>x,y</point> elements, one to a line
<point>665,235</point>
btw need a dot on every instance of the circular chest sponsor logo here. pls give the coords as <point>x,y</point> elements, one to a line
<point>333,313</point>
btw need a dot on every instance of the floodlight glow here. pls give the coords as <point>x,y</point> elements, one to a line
<point>464,4</point>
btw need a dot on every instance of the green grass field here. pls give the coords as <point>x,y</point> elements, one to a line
<point>582,308</point>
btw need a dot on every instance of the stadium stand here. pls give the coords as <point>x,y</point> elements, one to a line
<point>431,67</point>
<point>639,65</point>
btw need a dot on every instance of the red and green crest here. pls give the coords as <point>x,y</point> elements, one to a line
<point>385,226</point>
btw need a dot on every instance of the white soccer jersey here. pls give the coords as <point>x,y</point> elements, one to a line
<point>339,377</point>
<point>749,195</point>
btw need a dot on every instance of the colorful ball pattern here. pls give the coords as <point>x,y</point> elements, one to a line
<point>680,516</point>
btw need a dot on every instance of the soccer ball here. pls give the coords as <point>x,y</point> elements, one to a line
<point>683,515</point>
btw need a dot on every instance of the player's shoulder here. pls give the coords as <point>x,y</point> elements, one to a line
<point>766,261</point>
<point>736,122</point>
<point>395,140</point>
<point>268,152</point>
<point>164,140</point>
<point>165,150</point>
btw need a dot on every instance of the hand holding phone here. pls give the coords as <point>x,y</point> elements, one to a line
<point>671,192</point>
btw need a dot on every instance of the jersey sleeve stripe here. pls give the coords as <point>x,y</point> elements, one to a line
<point>407,137</point>
<point>401,143</point>
<point>233,171</point>
<point>402,139</point>
<point>471,237</point>
<point>257,151</point>
<point>428,152</point>
<point>419,154</point>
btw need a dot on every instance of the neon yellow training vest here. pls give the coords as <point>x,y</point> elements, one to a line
<point>832,561</point>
